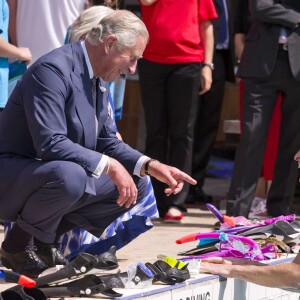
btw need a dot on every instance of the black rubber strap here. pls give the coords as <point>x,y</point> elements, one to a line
<point>147,166</point>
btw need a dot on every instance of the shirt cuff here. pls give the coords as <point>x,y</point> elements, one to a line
<point>139,164</point>
<point>101,165</point>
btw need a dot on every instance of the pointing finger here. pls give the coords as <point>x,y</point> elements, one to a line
<point>185,177</point>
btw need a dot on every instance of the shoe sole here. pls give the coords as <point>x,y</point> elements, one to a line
<point>172,221</point>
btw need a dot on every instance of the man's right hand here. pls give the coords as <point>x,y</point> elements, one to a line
<point>172,176</point>
<point>124,183</point>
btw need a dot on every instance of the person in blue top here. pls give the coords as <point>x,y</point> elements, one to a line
<point>8,51</point>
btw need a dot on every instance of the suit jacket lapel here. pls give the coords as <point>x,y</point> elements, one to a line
<point>102,103</point>
<point>83,97</point>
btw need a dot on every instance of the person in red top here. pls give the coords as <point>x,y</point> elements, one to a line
<point>176,67</point>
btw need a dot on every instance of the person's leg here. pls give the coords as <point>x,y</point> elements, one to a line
<point>119,233</point>
<point>182,96</point>
<point>95,212</point>
<point>37,198</point>
<point>258,207</point>
<point>62,184</point>
<point>258,104</point>
<point>16,240</point>
<point>270,155</point>
<point>286,172</point>
<point>261,188</point>
<point>206,126</point>
<point>152,78</point>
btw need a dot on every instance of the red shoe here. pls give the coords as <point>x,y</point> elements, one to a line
<point>173,215</point>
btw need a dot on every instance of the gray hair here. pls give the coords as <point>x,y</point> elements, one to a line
<point>124,25</point>
<point>88,19</point>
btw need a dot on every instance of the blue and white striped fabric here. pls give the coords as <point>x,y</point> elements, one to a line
<point>119,233</point>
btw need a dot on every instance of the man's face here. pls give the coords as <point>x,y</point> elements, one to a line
<point>118,63</point>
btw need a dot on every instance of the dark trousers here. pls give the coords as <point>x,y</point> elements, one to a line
<point>260,96</point>
<point>43,196</point>
<point>169,96</point>
<point>208,119</point>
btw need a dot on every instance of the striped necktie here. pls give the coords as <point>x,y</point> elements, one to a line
<point>94,94</point>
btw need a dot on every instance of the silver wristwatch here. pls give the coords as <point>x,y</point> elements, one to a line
<point>211,66</point>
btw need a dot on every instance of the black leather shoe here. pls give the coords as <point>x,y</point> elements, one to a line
<point>26,262</point>
<point>50,254</point>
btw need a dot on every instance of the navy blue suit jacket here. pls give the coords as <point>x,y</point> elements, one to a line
<point>50,116</point>
<point>260,52</point>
